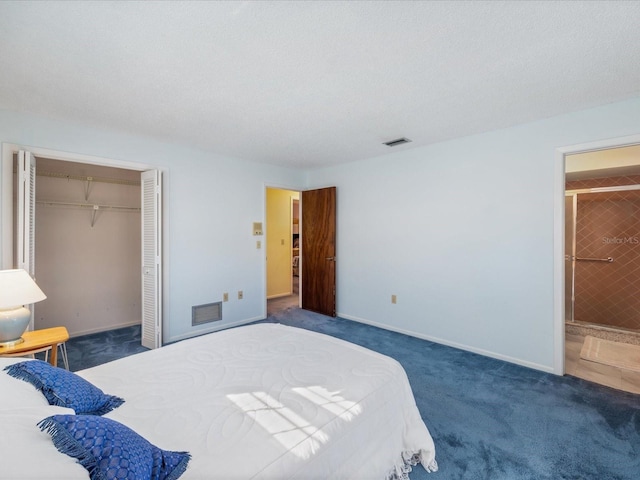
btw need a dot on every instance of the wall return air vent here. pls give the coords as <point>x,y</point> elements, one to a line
<point>201,314</point>
<point>397,141</point>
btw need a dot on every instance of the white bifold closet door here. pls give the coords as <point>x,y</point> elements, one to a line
<point>151,258</point>
<point>26,197</point>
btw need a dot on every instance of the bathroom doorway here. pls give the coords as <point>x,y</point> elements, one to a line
<point>602,260</point>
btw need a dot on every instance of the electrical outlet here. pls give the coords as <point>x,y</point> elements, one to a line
<point>258,244</point>
<point>240,294</point>
<point>394,299</point>
<point>225,297</point>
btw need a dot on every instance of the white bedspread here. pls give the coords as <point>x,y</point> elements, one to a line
<point>269,402</point>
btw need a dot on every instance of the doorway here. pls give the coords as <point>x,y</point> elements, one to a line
<point>282,249</point>
<point>314,260</point>
<point>602,258</point>
<point>150,275</point>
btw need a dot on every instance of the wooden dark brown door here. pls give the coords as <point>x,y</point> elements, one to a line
<point>318,251</point>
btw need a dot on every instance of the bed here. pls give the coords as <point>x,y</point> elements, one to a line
<point>264,401</point>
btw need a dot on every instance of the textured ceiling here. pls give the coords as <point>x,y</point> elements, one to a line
<point>307,84</point>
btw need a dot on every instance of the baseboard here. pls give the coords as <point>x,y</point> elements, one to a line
<point>103,329</point>
<point>216,328</point>
<point>279,295</point>
<point>460,346</point>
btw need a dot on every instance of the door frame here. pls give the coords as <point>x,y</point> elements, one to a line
<point>559,240</point>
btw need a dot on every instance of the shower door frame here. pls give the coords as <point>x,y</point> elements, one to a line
<point>570,255</point>
<point>570,258</point>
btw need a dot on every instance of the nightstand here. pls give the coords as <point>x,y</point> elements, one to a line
<point>39,341</point>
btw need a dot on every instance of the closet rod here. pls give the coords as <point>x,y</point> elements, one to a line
<point>86,178</point>
<point>94,208</point>
<point>88,205</point>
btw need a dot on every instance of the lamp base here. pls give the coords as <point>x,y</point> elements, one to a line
<point>13,323</point>
<point>12,343</point>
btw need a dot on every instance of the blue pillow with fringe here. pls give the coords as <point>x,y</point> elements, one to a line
<point>63,388</point>
<point>111,450</point>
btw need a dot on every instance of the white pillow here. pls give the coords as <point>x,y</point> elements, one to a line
<point>28,452</point>
<point>16,393</point>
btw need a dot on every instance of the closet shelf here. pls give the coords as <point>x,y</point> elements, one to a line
<point>86,178</point>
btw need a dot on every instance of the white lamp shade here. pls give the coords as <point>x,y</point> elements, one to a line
<point>17,288</point>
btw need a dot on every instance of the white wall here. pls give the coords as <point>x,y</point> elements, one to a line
<point>463,233</point>
<point>210,204</point>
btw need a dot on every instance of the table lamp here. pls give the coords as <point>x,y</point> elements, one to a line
<point>17,289</point>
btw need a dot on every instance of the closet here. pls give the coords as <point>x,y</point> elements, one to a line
<point>87,246</point>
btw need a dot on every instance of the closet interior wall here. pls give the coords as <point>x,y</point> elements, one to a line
<point>87,246</point>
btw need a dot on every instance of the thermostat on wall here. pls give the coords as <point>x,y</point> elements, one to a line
<point>257,228</point>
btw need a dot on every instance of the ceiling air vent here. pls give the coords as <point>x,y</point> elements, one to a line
<point>211,312</point>
<point>397,141</point>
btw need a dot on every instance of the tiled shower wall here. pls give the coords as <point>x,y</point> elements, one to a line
<point>608,225</point>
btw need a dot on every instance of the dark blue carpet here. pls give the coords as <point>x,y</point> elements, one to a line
<point>98,348</point>
<point>489,419</point>
<point>495,420</point>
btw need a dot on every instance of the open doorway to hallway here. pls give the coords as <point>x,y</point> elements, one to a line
<point>282,249</point>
